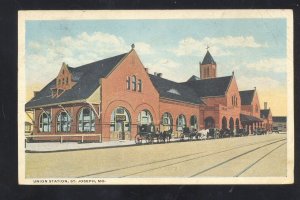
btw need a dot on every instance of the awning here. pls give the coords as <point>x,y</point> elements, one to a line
<point>249,119</point>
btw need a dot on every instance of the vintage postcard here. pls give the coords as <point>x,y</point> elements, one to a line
<point>156,97</point>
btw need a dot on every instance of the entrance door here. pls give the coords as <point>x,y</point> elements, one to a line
<point>121,129</point>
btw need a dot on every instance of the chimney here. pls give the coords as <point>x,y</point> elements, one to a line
<point>159,74</point>
<point>155,74</point>
<point>265,105</point>
<point>147,70</point>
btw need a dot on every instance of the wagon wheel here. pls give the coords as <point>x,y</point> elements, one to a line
<point>138,139</point>
<point>149,139</point>
<point>181,136</point>
<point>160,139</point>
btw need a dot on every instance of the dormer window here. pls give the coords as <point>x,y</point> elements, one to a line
<point>173,91</point>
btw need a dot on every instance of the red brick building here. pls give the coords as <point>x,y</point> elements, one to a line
<point>250,110</point>
<point>111,97</point>
<point>266,116</point>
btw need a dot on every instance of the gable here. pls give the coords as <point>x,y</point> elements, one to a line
<point>210,87</point>
<point>87,81</point>
<point>247,97</point>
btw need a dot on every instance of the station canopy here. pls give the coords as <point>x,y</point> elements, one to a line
<point>249,119</point>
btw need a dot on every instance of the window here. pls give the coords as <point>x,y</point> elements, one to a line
<point>45,122</point>
<point>167,121</point>
<point>193,122</point>
<point>145,117</point>
<point>67,80</point>
<point>128,83</point>
<point>58,81</point>
<point>207,71</point>
<point>232,103</point>
<point>63,81</point>
<point>140,85</point>
<point>63,122</point>
<point>181,122</point>
<point>86,122</point>
<point>120,120</point>
<point>133,83</point>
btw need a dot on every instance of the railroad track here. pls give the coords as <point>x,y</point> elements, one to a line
<point>188,158</point>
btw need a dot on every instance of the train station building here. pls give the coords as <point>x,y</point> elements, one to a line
<point>110,98</point>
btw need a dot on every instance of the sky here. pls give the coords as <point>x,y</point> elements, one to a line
<point>254,48</point>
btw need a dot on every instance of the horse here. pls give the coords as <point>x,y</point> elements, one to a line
<point>203,134</point>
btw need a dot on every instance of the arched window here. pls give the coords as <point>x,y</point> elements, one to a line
<point>58,81</point>
<point>128,83</point>
<point>224,123</point>
<point>45,122</point>
<point>167,121</point>
<point>231,124</point>
<point>145,117</point>
<point>237,124</point>
<point>120,120</point>
<point>180,122</point>
<point>209,123</point>
<point>134,83</point>
<point>86,121</point>
<point>63,81</point>
<point>63,122</point>
<point>193,122</point>
<point>140,85</point>
<point>67,80</point>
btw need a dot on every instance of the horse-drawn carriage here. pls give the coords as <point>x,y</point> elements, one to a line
<point>190,134</point>
<point>149,135</point>
<point>226,133</point>
<point>213,133</point>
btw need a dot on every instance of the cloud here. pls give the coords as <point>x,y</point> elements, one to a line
<point>269,65</point>
<point>230,41</point>
<point>192,46</point>
<point>44,59</point>
<point>143,48</point>
<point>262,83</point>
<point>167,67</point>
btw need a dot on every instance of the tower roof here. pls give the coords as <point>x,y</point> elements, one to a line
<point>208,59</point>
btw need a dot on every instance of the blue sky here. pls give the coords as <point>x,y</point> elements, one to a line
<point>254,48</point>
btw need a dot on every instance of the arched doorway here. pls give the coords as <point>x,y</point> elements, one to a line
<point>224,123</point>
<point>145,118</point>
<point>193,122</point>
<point>231,124</point>
<point>180,122</point>
<point>209,123</point>
<point>166,121</point>
<point>120,122</point>
<point>237,124</point>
